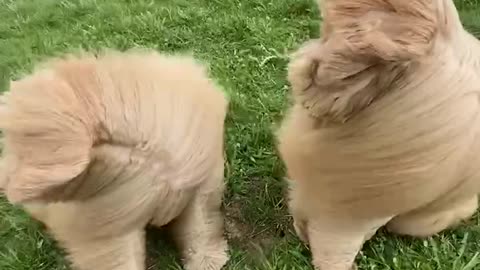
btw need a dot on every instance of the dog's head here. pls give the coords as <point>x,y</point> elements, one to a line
<point>366,48</point>
<point>47,135</point>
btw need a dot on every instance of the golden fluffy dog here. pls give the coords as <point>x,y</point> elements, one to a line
<point>96,148</point>
<point>385,127</point>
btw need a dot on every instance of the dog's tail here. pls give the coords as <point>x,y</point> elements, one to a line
<point>366,46</point>
<point>48,133</point>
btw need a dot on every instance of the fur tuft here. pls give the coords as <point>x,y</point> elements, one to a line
<point>339,75</point>
<point>44,127</point>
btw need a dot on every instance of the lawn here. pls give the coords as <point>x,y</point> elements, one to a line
<point>246,44</point>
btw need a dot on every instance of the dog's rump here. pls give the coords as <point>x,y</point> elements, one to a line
<point>163,106</point>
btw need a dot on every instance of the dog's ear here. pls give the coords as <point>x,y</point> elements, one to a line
<point>46,135</point>
<point>366,45</point>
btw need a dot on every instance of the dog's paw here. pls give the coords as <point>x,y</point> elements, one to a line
<point>208,258</point>
<point>207,261</point>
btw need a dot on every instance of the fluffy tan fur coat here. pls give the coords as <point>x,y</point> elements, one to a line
<point>96,148</point>
<point>385,125</point>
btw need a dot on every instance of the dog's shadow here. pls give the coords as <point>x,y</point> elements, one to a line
<point>161,250</point>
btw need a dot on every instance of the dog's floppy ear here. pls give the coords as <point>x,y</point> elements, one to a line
<point>46,135</point>
<point>366,45</point>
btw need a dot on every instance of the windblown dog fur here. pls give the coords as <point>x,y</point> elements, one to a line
<point>96,148</point>
<point>384,129</point>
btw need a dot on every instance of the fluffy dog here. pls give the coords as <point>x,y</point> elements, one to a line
<point>384,129</point>
<point>96,148</point>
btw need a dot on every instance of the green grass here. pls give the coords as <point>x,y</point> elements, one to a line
<point>246,43</point>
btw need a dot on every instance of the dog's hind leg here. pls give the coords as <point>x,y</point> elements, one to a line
<point>198,231</point>
<point>335,243</point>
<point>427,221</point>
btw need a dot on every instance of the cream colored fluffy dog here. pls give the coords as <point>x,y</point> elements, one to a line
<point>96,148</point>
<point>385,127</point>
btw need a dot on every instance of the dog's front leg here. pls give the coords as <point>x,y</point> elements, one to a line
<point>335,242</point>
<point>124,252</point>
<point>300,220</point>
<point>199,230</point>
